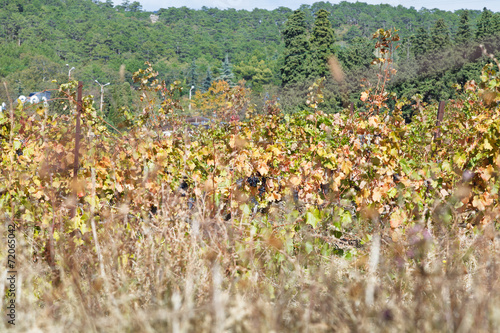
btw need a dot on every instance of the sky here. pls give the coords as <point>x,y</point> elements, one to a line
<point>451,5</point>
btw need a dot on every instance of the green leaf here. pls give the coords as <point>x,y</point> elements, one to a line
<point>309,247</point>
<point>345,217</point>
<point>312,218</point>
<point>245,209</point>
<point>459,159</point>
<point>392,192</point>
<point>405,167</point>
<point>17,144</point>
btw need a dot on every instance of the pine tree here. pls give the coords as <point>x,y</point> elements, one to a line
<point>294,68</point>
<point>207,82</point>
<point>440,36</point>
<point>464,33</point>
<point>359,53</point>
<point>227,72</point>
<point>496,20</point>
<point>321,43</point>
<point>420,42</point>
<point>485,24</point>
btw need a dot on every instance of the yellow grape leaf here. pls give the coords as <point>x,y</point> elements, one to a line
<point>319,175</point>
<point>486,199</point>
<point>478,203</point>
<point>397,217</point>
<point>486,173</point>
<point>38,194</point>
<point>295,180</point>
<point>36,181</point>
<point>337,181</point>
<point>191,165</point>
<point>346,166</point>
<point>487,145</point>
<point>263,169</point>
<point>196,176</point>
<point>377,195</point>
<point>372,121</point>
<point>276,151</point>
<point>273,196</point>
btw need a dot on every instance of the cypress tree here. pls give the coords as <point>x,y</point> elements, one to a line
<point>464,33</point>
<point>294,68</point>
<point>192,74</point>
<point>440,35</point>
<point>321,43</point>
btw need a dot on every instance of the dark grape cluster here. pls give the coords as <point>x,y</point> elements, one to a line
<point>184,185</point>
<point>253,181</point>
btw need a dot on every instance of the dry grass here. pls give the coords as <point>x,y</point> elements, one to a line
<point>187,272</point>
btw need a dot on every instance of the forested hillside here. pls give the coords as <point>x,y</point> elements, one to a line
<point>42,40</point>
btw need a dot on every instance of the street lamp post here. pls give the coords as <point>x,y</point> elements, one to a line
<point>69,72</point>
<point>192,87</point>
<point>102,92</point>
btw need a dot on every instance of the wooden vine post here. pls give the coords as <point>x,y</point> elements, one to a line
<point>439,119</point>
<point>77,144</point>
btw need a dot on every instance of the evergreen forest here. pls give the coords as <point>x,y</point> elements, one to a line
<point>276,52</point>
